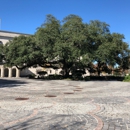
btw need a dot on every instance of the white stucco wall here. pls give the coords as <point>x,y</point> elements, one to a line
<point>4,40</point>
<point>5,36</point>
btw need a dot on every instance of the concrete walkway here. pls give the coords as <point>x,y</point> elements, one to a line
<point>64,105</point>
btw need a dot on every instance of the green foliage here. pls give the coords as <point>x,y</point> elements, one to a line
<point>1,52</point>
<point>87,78</point>
<point>104,78</point>
<point>52,77</point>
<point>31,76</point>
<point>46,37</point>
<point>127,78</point>
<point>70,45</point>
<point>22,52</point>
<point>107,49</point>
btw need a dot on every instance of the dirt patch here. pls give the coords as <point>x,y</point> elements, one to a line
<point>21,98</point>
<point>77,90</point>
<point>49,95</point>
<point>68,93</point>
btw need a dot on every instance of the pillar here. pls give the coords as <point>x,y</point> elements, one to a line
<point>17,73</point>
<point>2,71</point>
<point>10,72</point>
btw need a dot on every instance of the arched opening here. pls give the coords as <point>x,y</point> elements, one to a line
<point>6,72</point>
<point>13,72</point>
<point>1,43</point>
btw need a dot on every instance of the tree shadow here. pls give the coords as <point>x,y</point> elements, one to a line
<point>42,122</point>
<point>11,83</point>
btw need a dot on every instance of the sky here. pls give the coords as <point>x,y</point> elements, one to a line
<point>24,16</point>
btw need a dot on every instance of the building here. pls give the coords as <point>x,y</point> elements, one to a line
<point>6,36</point>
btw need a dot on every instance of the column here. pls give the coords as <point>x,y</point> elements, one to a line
<point>10,72</point>
<point>2,71</point>
<point>17,73</point>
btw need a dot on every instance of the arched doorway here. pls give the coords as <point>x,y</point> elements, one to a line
<point>13,72</point>
<point>6,72</point>
<point>0,72</point>
<point>1,43</point>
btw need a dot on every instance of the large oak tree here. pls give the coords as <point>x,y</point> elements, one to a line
<point>71,45</point>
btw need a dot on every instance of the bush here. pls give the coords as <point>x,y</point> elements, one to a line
<point>77,74</point>
<point>75,77</point>
<point>53,77</point>
<point>104,78</point>
<point>87,78</point>
<point>31,76</point>
<point>127,78</point>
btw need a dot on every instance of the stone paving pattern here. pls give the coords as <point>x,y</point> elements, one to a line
<point>78,105</point>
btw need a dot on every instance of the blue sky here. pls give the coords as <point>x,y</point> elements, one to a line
<point>26,15</point>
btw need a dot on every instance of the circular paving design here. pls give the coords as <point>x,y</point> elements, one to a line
<point>64,105</point>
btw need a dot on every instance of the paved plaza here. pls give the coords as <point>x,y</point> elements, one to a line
<point>27,104</point>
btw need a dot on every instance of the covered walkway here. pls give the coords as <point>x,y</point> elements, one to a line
<point>9,72</point>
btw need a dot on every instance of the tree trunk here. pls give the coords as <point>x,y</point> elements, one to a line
<point>66,73</point>
<point>65,70</point>
<point>98,68</point>
<point>99,72</point>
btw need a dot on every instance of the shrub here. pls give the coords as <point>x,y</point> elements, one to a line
<point>127,78</point>
<point>31,76</point>
<point>53,76</point>
<point>87,78</point>
<point>104,78</point>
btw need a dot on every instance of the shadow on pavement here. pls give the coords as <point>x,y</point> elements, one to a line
<point>56,122</point>
<point>10,83</point>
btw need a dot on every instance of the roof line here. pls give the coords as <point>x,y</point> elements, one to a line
<point>14,32</point>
